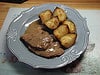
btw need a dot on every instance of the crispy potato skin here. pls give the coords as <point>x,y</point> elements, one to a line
<point>68,40</point>
<point>45,16</point>
<point>60,13</point>
<point>71,26</point>
<point>63,29</point>
<point>60,31</point>
<point>53,23</point>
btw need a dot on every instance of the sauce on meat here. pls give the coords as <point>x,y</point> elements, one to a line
<point>40,41</point>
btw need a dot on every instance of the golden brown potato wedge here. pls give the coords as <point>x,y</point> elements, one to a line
<point>60,13</point>
<point>71,26</point>
<point>68,40</point>
<point>53,23</point>
<point>45,16</point>
<point>60,31</point>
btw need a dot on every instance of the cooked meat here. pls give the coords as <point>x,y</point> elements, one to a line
<point>53,50</point>
<point>41,42</point>
<point>38,39</point>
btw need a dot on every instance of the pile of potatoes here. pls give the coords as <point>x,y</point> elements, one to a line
<point>63,29</point>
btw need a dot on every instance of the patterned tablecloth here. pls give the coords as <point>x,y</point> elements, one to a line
<point>88,63</point>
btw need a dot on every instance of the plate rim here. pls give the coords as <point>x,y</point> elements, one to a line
<point>58,66</point>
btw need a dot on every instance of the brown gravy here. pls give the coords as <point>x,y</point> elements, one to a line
<point>40,41</point>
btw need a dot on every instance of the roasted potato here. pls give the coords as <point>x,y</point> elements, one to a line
<point>45,16</point>
<point>66,32</point>
<point>53,23</point>
<point>60,31</point>
<point>71,26</point>
<point>60,14</point>
<point>68,40</point>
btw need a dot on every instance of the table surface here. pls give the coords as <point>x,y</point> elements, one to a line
<point>89,63</point>
<point>93,27</point>
<point>77,4</point>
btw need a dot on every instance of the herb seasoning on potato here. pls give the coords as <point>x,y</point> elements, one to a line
<point>60,13</point>
<point>68,40</point>
<point>45,16</point>
<point>60,31</point>
<point>71,26</point>
<point>53,23</point>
